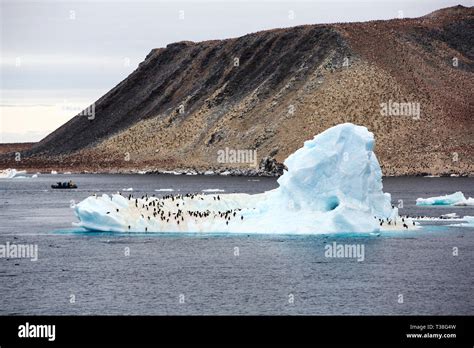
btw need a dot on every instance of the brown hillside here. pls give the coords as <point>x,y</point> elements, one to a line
<point>189,100</point>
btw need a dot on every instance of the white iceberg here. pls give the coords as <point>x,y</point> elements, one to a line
<point>455,199</point>
<point>449,216</point>
<point>172,172</point>
<point>467,221</point>
<point>127,189</point>
<point>333,184</point>
<point>466,202</point>
<point>213,190</point>
<point>53,172</point>
<point>11,173</point>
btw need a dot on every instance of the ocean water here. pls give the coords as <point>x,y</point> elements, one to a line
<point>83,273</point>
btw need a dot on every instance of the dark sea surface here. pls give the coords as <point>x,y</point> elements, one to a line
<point>201,273</point>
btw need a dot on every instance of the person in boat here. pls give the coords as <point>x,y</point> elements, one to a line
<point>69,184</point>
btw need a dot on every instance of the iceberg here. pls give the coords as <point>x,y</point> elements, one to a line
<point>449,216</point>
<point>469,221</point>
<point>333,184</point>
<point>466,221</point>
<point>455,199</point>
<point>172,172</point>
<point>11,173</point>
<point>466,202</point>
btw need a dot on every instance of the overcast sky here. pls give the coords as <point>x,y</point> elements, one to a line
<point>57,57</point>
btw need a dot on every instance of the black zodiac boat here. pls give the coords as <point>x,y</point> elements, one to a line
<point>64,185</point>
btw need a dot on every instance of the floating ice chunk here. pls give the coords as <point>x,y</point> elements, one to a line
<point>53,172</point>
<point>456,199</point>
<point>67,173</point>
<point>466,221</point>
<point>213,190</point>
<point>467,202</point>
<point>11,173</point>
<point>34,176</point>
<point>333,184</point>
<point>449,216</point>
<point>128,189</point>
<point>171,172</point>
<point>164,190</point>
<point>469,221</point>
